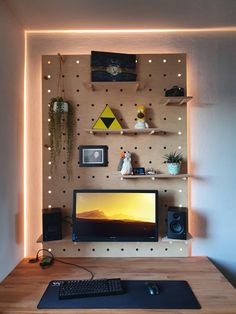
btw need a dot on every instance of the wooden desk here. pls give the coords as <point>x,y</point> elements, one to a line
<point>21,291</point>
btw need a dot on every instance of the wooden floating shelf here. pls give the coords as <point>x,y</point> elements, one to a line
<point>165,239</point>
<point>156,176</point>
<point>174,101</point>
<point>68,238</point>
<point>95,86</point>
<point>150,131</point>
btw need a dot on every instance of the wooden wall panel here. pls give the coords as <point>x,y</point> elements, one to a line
<point>147,150</point>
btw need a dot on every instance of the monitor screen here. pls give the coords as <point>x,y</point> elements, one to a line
<point>115,215</point>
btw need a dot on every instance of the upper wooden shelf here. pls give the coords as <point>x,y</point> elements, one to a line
<point>150,131</point>
<point>95,86</point>
<point>174,101</point>
<point>183,176</point>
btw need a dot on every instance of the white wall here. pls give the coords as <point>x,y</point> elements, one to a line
<point>212,116</point>
<point>11,141</point>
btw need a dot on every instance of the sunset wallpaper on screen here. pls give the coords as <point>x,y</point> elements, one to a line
<point>137,207</point>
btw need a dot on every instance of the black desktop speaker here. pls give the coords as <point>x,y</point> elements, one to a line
<point>177,223</point>
<point>52,224</point>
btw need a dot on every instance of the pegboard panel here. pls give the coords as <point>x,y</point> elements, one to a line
<point>155,73</point>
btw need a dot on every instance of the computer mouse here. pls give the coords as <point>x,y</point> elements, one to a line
<point>152,288</point>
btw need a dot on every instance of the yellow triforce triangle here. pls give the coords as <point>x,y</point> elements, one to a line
<point>107,120</point>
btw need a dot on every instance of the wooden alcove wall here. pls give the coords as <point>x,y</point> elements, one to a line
<point>156,73</point>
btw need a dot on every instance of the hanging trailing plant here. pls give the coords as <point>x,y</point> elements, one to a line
<point>61,127</point>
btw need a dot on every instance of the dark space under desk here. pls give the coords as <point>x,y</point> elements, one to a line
<point>21,291</point>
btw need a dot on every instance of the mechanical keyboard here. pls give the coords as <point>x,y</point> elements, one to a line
<point>90,288</point>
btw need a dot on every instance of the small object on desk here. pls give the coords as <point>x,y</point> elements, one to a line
<point>152,288</point>
<point>70,289</point>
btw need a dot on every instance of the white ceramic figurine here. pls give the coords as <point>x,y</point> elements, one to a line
<point>127,166</point>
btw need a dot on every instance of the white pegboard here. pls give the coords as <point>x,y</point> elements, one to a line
<point>163,72</point>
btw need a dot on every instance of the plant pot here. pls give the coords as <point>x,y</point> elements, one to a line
<point>173,168</point>
<point>64,106</point>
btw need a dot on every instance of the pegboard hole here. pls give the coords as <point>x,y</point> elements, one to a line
<point>64,177</point>
<point>121,105</point>
<point>78,250</point>
<point>63,250</point>
<point>121,119</point>
<point>166,249</point>
<point>108,250</point>
<point>63,75</point>
<point>164,147</point>
<point>107,177</point>
<point>77,75</point>
<point>150,105</point>
<point>164,89</point>
<point>64,162</point>
<point>92,105</point>
<point>78,119</point>
<point>164,118</point>
<point>93,177</point>
<point>63,148</point>
<point>151,249</point>
<point>164,74</point>
<point>165,191</point>
<point>150,119</point>
<point>122,249</point>
<point>64,191</point>
<point>136,249</point>
<point>121,90</point>
<point>63,206</point>
<point>93,250</point>
<point>77,90</point>
<point>92,119</point>
<point>121,147</point>
<point>77,105</point>
<point>150,147</point>
<point>150,162</point>
<point>106,90</point>
<point>135,147</point>
<point>78,134</point>
<point>150,75</point>
<point>78,177</point>
<point>150,89</point>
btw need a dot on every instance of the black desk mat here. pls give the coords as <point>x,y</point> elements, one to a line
<point>173,295</point>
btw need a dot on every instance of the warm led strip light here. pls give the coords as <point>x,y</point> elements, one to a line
<point>25,149</point>
<point>154,30</point>
<point>88,31</point>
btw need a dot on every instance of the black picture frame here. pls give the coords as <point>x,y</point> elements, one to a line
<point>93,155</point>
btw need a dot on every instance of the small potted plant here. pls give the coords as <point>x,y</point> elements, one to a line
<point>61,130</point>
<point>173,161</point>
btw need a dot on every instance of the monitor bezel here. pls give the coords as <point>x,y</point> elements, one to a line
<point>77,238</point>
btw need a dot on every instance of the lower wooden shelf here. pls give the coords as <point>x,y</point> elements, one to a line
<point>156,176</point>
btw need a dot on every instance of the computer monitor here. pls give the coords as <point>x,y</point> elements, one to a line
<point>115,215</point>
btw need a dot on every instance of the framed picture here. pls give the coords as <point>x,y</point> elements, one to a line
<point>93,156</point>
